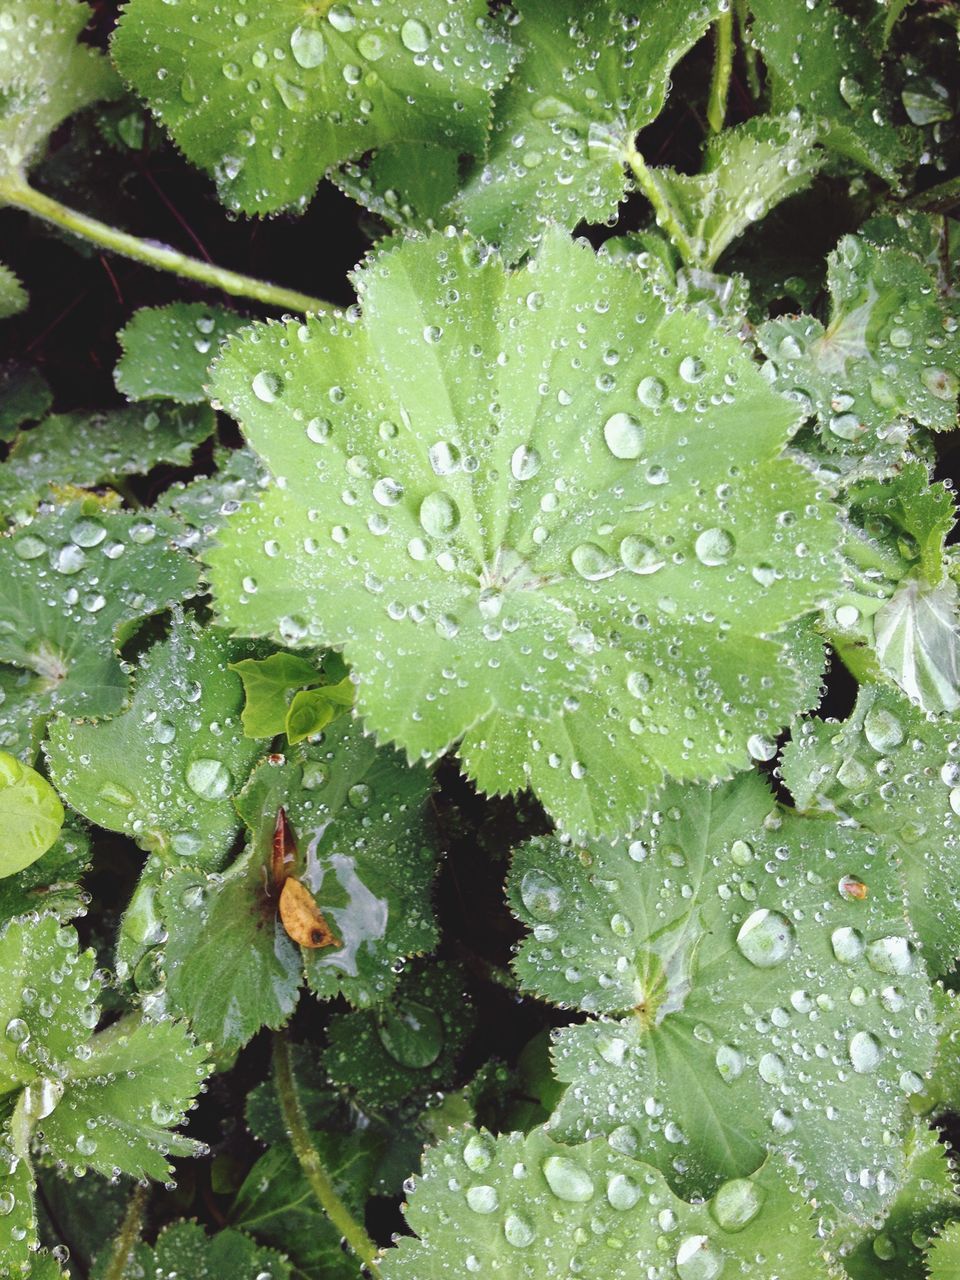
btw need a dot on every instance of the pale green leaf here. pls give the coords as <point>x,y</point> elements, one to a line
<point>941,1092</point>
<point>747,171</point>
<point>164,770</point>
<point>76,585</point>
<point>85,450</point>
<point>45,75</point>
<point>269,103</point>
<point>167,350</point>
<point>365,853</point>
<point>407,184</point>
<point>585,596</point>
<point>203,503</point>
<point>311,710</point>
<point>726,943</point>
<point>918,643</point>
<point>591,75</point>
<point>267,686</point>
<point>530,1207</point>
<point>822,63</point>
<point>51,884</point>
<point>31,815</point>
<point>896,771</point>
<point>943,1259</point>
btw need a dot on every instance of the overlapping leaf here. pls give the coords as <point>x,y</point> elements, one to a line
<point>583,594</point>
<point>167,351</point>
<point>51,884</point>
<point>164,770</point>
<point>751,967</point>
<point>533,1208</point>
<point>268,99</point>
<point>897,772</point>
<point>185,1249</point>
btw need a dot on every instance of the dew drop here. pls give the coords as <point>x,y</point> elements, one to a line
<point>640,556</point>
<point>766,938</point>
<point>697,1259</point>
<point>730,1062</point>
<point>567,1179</point>
<point>308,47</point>
<point>714,547</point>
<point>651,392</point>
<point>847,945</point>
<point>891,954</point>
<point>483,1199</point>
<point>439,514</point>
<point>865,1052</point>
<point>415,37</point>
<point>525,463</point>
<point>737,1203</point>
<point>624,436</point>
<point>882,729</point>
<point>518,1231</point>
<point>622,1192</point>
<point>478,1152</point>
<point>541,894</point>
<point>592,562</point>
<point>266,386</point>
<point>209,778</point>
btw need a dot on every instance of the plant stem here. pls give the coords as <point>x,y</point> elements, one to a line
<point>667,217</point>
<point>129,1233</point>
<point>722,68</point>
<point>16,191</point>
<point>321,1184</point>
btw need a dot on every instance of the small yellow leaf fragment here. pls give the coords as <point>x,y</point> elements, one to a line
<point>302,918</point>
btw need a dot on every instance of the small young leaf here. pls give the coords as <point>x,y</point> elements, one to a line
<point>168,350</point>
<point>547,1211</point>
<point>622,568</point>
<point>313,709</point>
<point>267,683</point>
<point>844,768</point>
<point>727,903</point>
<point>337,82</point>
<point>164,771</point>
<point>31,815</point>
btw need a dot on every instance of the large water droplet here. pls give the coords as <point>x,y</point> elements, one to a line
<point>592,562</point>
<point>766,938</point>
<point>567,1179</point>
<point>478,1152</point>
<point>737,1203</point>
<point>483,1199</point>
<point>651,392</point>
<point>622,1192</point>
<point>209,778</point>
<point>865,1052</point>
<point>640,556</point>
<point>698,1259</point>
<point>882,730</point>
<point>439,514</point>
<point>730,1062</point>
<point>308,47</point>
<point>415,36</point>
<point>892,954</point>
<point>714,547</point>
<point>624,436</point>
<point>518,1231</point>
<point>541,894</point>
<point>525,463</point>
<point>266,386</point>
<point>847,944</point>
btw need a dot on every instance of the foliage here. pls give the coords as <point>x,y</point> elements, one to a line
<point>479,761</point>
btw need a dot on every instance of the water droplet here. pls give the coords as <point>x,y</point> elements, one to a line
<point>387,491</point>
<point>622,1192</point>
<point>761,748</point>
<point>592,562</point>
<point>882,729</point>
<point>17,1031</point>
<point>940,383</point>
<point>266,386</point>
<point>69,559</point>
<point>478,1152</point>
<point>483,1199</point>
<point>737,1203</point>
<point>308,47</point>
<point>340,18</point>
<point>640,556</point>
<point>730,1062</point>
<point>209,778</point>
<point>439,514</point>
<point>415,37</point>
<point>359,796</point>
<point>772,1068</point>
<point>541,894</point>
<point>651,392</point>
<point>518,1231</point>
<point>714,547</point>
<point>525,463</point>
<point>698,1259</point>
<point>8,1202</point>
<point>865,1052</point>
<point>766,938</point>
<point>567,1179</point>
<point>851,91</point>
<point>847,945</point>
<point>692,369</point>
<point>113,793</point>
<point>892,954</point>
<point>371,46</point>
<point>624,436</point>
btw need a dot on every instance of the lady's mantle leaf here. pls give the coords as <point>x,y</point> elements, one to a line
<point>45,74</point>
<point>165,770</point>
<point>167,351</point>
<point>756,966</point>
<point>13,296</point>
<point>51,883</point>
<point>357,814</point>
<point>534,1208</point>
<point>592,75</point>
<point>267,98</point>
<point>105,1102</point>
<point>585,596</point>
<point>31,815</point>
<point>897,772</point>
<point>184,1249</point>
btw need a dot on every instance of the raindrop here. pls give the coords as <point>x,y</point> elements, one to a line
<point>439,514</point>
<point>592,562</point>
<point>640,556</point>
<point>624,436</point>
<point>651,392</point>
<point>209,778</point>
<point>737,1203</point>
<point>766,938</point>
<point>890,955</point>
<point>416,38</point>
<point>567,1179</point>
<point>882,730</point>
<point>525,462</point>
<point>714,547</point>
<point>697,1259</point>
<point>518,1231</point>
<point>308,47</point>
<point>541,894</point>
<point>478,1152</point>
<point>266,386</point>
<point>730,1062</point>
<point>483,1199</point>
<point>865,1052</point>
<point>622,1192</point>
<point>847,945</point>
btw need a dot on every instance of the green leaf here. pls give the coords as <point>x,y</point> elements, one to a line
<point>276,1205</point>
<point>590,77</point>
<point>31,815</point>
<point>25,396</point>
<point>311,710</point>
<point>86,450</point>
<point>18,1224</point>
<point>747,171</point>
<point>889,348</point>
<point>267,682</point>
<point>723,946</point>
<point>77,584</point>
<point>106,1102</point>
<point>51,884</point>
<point>13,296</point>
<point>357,814</point>
<point>204,502</point>
<point>620,570</point>
<point>533,1207</point>
<point>821,62</point>
<point>45,75</point>
<point>167,350</point>
<point>229,966</point>
<point>185,1249</point>
<point>267,105</point>
<point>406,1047</point>
<point>941,1092</point>
<point>164,770</point>
<point>407,184</point>
<point>943,1259</point>
<point>925,1200</point>
<point>846,769</point>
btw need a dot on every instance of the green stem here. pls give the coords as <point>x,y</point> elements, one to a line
<point>321,1184</point>
<point>722,68</point>
<point>16,191</point>
<point>129,1233</point>
<point>666,215</point>
<point>749,51</point>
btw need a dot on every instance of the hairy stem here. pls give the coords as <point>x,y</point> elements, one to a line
<point>666,215</point>
<point>15,191</point>
<point>319,1180</point>
<point>722,67</point>
<point>129,1233</point>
